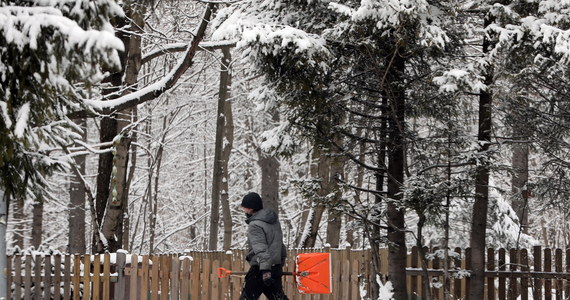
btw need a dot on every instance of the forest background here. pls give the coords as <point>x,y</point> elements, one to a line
<point>140,125</point>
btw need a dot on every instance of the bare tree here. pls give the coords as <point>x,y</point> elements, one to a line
<point>222,153</point>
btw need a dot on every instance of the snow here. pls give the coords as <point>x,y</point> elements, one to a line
<point>4,114</point>
<point>386,290</point>
<point>22,122</point>
<point>23,26</point>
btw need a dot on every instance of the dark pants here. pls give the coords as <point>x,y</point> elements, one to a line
<point>253,286</point>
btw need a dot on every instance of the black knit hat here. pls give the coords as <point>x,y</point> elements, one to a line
<point>252,200</point>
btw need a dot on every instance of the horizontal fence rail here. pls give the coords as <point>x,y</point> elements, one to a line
<point>511,274</point>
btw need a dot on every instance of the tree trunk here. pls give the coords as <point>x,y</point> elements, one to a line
<point>3,255</point>
<point>219,164</point>
<point>334,215</point>
<point>112,226</point>
<point>156,165</point>
<point>480,207</point>
<point>108,130</point>
<point>269,176</point>
<point>321,168</point>
<point>132,168</point>
<point>77,196</point>
<point>519,179</point>
<point>225,92</point>
<point>396,157</point>
<point>19,222</point>
<point>37,222</point>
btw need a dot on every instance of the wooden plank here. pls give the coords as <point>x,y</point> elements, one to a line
<point>87,276</point>
<point>195,279</point>
<point>154,277</point>
<point>145,277</point>
<point>96,277</point>
<point>47,277</point>
<point>106,277</point>
<point>524,268</point>
<point>547,268</point>
<point>215,286</point>
<point>467,267</point>
<point>18,276</point>
<point>38,277</point>
<point>490,280</point>
<point>175,278</point>
<point>354,277</point>
<point>225,282</point>
<point>133,288</point>
<point>76,276</point>
<point>457,263</point>
<point>56,277</point>
<point>414,278</point>
<point>236,282</point>
<point>28,278</point>
<point>205,278</point>
<point>344,280</point>
<point>10,278</point>
<point>67,277</point>
<point>567,283</point>
<point>537,289</point>
<point>512,293</point>
<point>502,281</point>
<point>558,286</point>
<point>164,274</point>
<point>185,280</point>
<point>121,281</point>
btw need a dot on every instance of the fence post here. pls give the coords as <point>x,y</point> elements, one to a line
<point>120,286</point>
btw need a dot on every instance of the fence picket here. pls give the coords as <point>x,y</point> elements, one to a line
<point>490,280</point>
<point>106,276</point>
<point>205,279</point>
<point>47,278</point>
<point>164,275</point>
<point>195,278</point>
<point>18,277</point>
<point>457,282</point>
<point>175,277</point>
<point>186,280</point>
<point>537,289</point>
<point>154,277</point>
<point>67,277</point>
<point>513,263</point>
<point>133,288</point>
<point>56,277</point>
<point>235,282</point>
<point>86,276</point>
<point>37,277</point>
<point>558,286</point>
<point>567,282</point>
<point>547,268</point>
<point>524,268</point>
<point>502,280</point>
<point>144,277</point>
<point>96,277</point>
<point>467,267</point>
<point>76,276</point>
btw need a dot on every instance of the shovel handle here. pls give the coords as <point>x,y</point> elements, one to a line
<point>223,272</point>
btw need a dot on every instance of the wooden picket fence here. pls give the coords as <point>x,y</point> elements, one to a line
<point>511,274</point>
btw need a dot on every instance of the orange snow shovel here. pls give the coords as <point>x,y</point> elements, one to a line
<point>312,273</point>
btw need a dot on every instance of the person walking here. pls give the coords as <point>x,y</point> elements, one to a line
<point>266,251</point>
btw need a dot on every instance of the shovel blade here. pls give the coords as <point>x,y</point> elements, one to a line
<point>313,272</point>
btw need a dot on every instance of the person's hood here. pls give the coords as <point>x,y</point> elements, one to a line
<point>266,215</point>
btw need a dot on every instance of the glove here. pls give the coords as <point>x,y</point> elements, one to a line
<point>266,277</point>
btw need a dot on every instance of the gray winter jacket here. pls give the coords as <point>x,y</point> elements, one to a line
<point>265,240</point>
